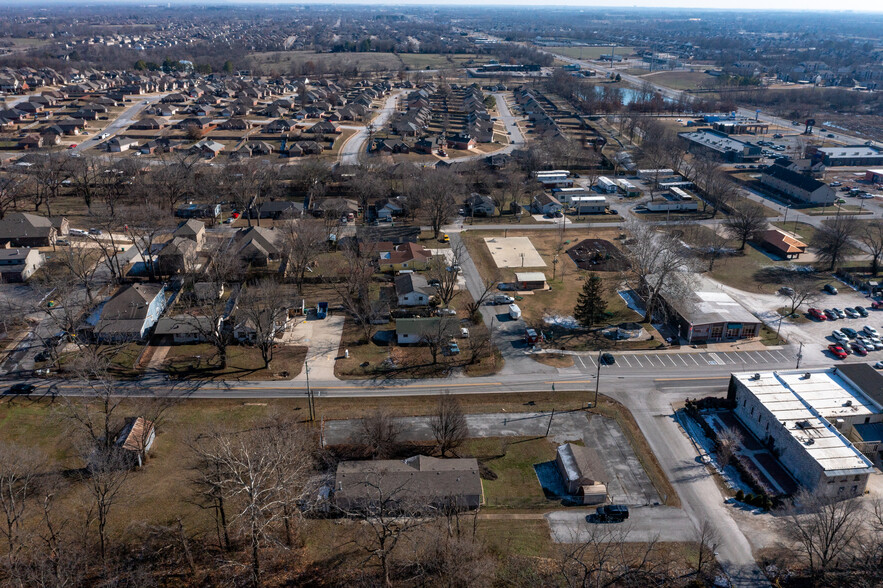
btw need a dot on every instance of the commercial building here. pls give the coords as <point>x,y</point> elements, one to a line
<point>721,145</point>
<point>708,316</point>
<point>874,176</point>
<point>798,186</point>
<point>848,155</point>
<point>806,416</point>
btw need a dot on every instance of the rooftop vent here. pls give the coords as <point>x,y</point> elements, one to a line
<point>807,376</point>
<point>847,403</point>
<point>756,376</point>
<point>803,424</point>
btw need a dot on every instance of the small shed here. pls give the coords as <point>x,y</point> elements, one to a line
<point>530,281</point>
<point>581,470</point>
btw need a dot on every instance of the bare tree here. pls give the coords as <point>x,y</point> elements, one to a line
<point>389,515</point>
<point>437,336</point>
<point>602,557</point>
<point>871,234</point>
<point>833,240</point>
<point>379,433</point>
<point>823,529</point>
<point>85,176</point>
<point>11,188</point>
<point>303,240</point>
<point>20,468</point>
<point>107,474</point>
<point>437,192</point>
<point>146,225</point>
<point>798,289</point>
<point>488,287</point>
<point>262,306</point>
<point>446,276</point>
<point>81,263</point>
<point>354,288</point>
<point>728,440</point>
<point>658,261</point>
<point>745,222</point>
<point>709,539</point>
<point>48,177</point>
<point>448,423</point>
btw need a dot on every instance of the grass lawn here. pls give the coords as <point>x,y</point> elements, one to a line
<point>511,481</point>
<point>680,80</point>
<point>802,230</point>
<point>121,358</point>
<point>554,359</point>
<point>199,361</point>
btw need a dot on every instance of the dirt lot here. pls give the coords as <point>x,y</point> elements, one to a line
<point>597,255</point>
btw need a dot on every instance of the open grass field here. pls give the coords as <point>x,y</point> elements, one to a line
<point>511,461</point>
<point>680,80</point>
<point>589,52</point>
<point>366,61</point>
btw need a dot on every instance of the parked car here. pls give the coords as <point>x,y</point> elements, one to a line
<point>608,359</point>
<point>62,242</point>
<point>870,330</point>
<point>786,291</point>
<point>860,310</point>
<point>817,314</point>
<point>830,289</point>
<point>840,336</point>
<point>859,349</point>
<point>876,305</point>
<point>839,312</point>
<point>453,348</point>
<point>446,312</point>
<point>851,333</point>
<point>503,299</point>
<point>830,314</point>
<point>21,388</point>
<point>615,513</point>
<point>851,313</point>
<point>96,232</point>
<point>837,351</point>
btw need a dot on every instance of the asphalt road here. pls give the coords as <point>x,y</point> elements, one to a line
<point>357,144</point>
<point>125,118</point>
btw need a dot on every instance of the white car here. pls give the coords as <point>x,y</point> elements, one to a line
<point>503,299</point>
<point>870,330</point>
<point>840,336</point>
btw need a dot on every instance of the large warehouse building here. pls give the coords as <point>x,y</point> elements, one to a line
<point>722,145</point>
<point>807,416</point>
<point>848,155</point>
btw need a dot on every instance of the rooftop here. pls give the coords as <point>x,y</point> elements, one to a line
<point>715,140</point>
<point>707,307</point>
<point>806,406</point>
<point>852,151</point>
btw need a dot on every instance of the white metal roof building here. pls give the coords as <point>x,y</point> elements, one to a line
<point>805,416</point>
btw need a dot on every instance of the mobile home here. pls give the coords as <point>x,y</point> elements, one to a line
<point>606,185</point>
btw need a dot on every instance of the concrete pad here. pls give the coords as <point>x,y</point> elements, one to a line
<point>644,524</point>
<point>323,339</point>
<point>514,252</point>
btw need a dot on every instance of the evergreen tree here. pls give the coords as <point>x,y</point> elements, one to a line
<point>590,304</point>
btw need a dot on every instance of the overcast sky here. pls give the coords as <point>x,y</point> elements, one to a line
<point>801,5</point>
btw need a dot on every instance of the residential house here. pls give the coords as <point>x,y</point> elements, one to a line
<point>23,229</point>
<point>258,245</point>
<point>148,124</point>
<point>416,482</point>
<point>207,148</point>
<point>19,264</point>
<point>406,256</point>
<point>130,313</point>
<point>323,128</point>
<point>194,210</point>
<point>121,144</point>
<point>193,230</point>
<point>413,290</point>
<point>179,255</point>
<point>544,203</point>
<point>277,209</point>
<point>182,329</point>
<point>419,330</point>
<point>462,142</point>
<point>387,208</point>
<point>480,205</point>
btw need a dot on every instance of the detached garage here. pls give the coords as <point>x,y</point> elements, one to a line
<point>530,281</point>
<point>581,469</point>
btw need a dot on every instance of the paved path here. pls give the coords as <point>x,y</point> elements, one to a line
<point>323,339</point>
<point>356,145</point>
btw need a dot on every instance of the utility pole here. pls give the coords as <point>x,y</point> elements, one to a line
<point>799,356</point>
<point>310,401</point>
<point>597,380</point>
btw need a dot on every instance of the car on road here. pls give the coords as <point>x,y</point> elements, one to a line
<point>72,145</point>
<point>817,314</point>
<point>830,289</point>
<point>837,351</point>
<point>839,312</point>
<point>503,299</point>
<point>21,388</point>
<point>830,314</point>
<point>607,359</point>
<point>445,238</point>
<point>851,313</point>
<point>868,329</point>
<point>96,232</point>
<point>860,310</point>
<point>849,332</point>
<point>830,135</point>
<point>840,336</point>
<point>613,513</point>
<point>778,136</point>
<point>859,349</point>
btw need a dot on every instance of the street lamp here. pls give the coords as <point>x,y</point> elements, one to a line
<point>310,402</point>
<point>597,380</point>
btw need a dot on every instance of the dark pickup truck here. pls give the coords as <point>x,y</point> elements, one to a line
<point>612,513</point>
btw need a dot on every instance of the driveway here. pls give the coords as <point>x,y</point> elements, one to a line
<point>644,524</point>
<point>323,339</point>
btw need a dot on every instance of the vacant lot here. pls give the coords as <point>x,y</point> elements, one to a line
<point>590,52</point>
<point>200,361</point>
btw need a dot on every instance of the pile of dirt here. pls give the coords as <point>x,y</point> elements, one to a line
<point>598,255</point>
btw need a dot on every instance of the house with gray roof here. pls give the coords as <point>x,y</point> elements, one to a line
<point>130,313</point>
